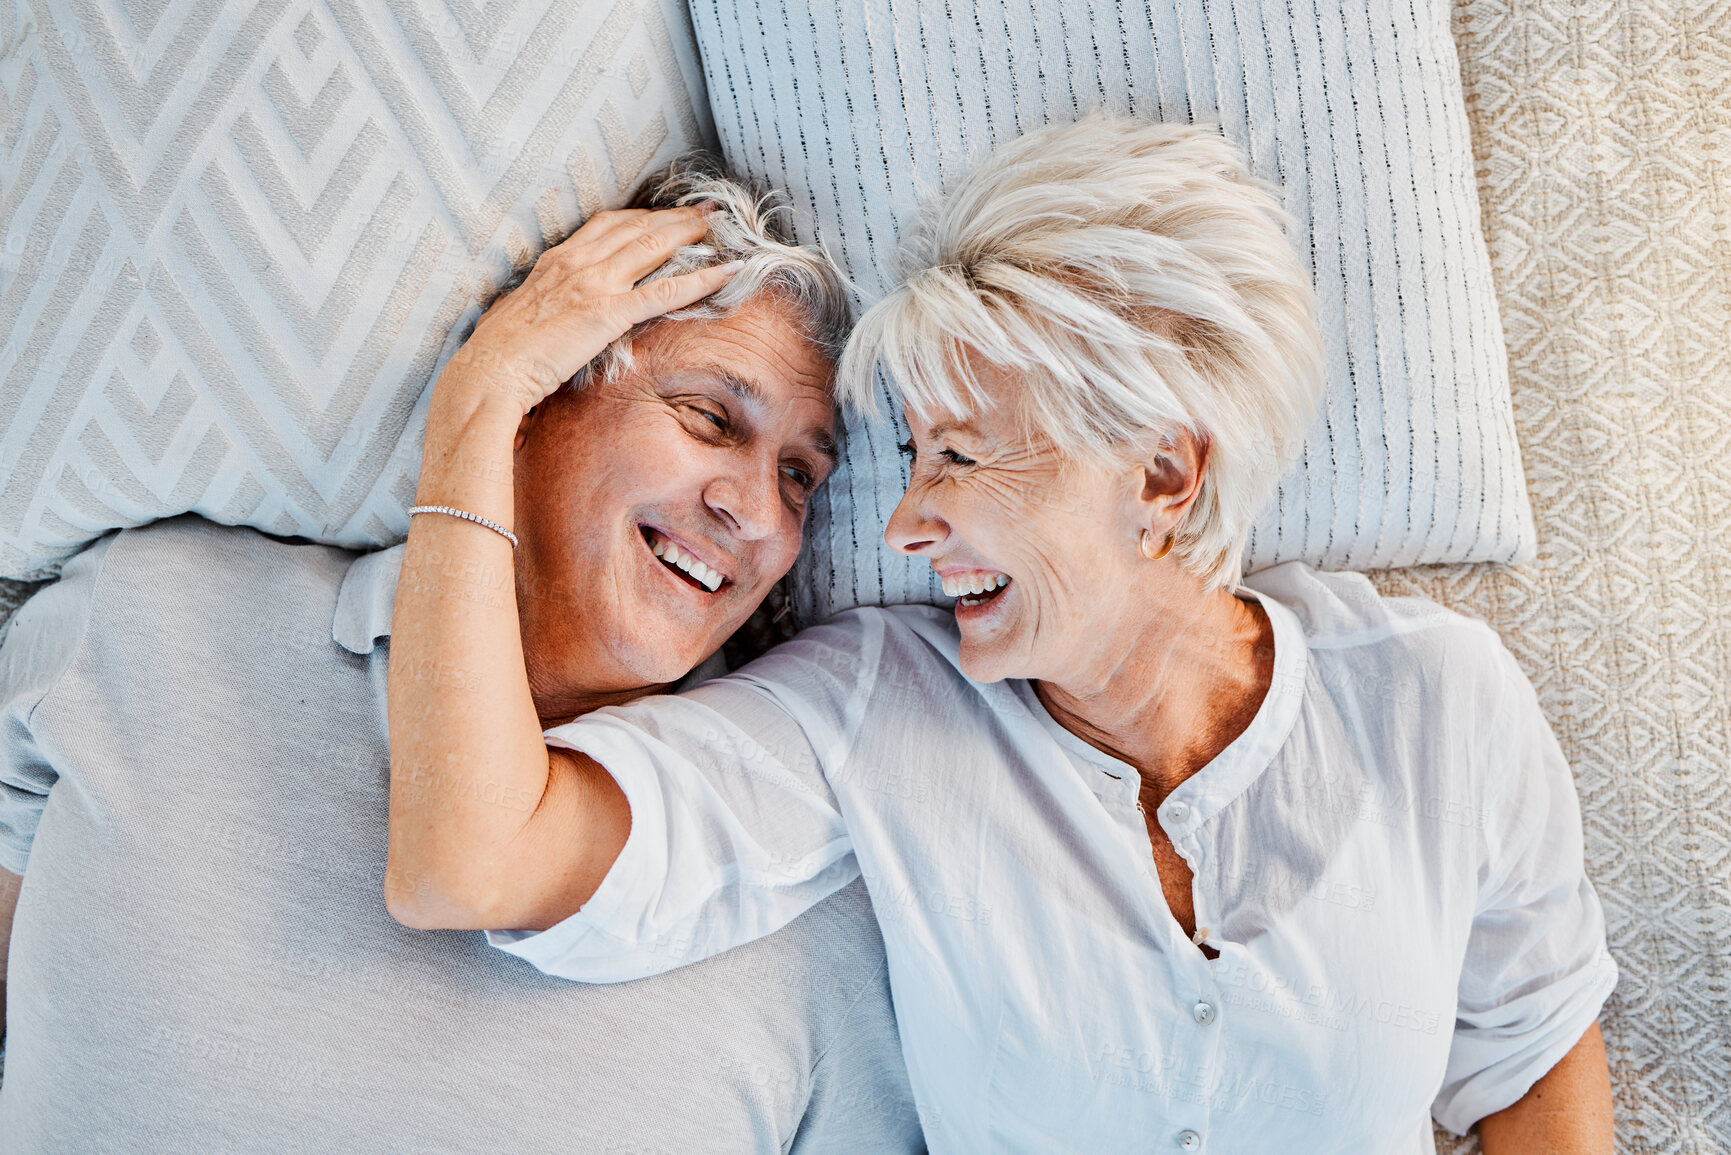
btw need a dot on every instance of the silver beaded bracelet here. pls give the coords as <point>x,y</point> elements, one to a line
<point>467,516</point>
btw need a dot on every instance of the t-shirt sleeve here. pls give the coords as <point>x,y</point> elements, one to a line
<point>861,1101</point>
<point>734,828</point>
<point>1536,971</point>
<point>37,648</point>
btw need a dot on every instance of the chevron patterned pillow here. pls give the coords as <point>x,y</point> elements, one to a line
<point>859,110</point>
<point>241,236</point>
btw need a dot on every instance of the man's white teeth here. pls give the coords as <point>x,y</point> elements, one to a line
<point>976,583</point>
<point>674,556</point>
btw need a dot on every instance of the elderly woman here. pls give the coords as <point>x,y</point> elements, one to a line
<point>1165,858</point>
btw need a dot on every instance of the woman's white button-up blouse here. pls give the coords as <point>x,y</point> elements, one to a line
<point>1388,861</point>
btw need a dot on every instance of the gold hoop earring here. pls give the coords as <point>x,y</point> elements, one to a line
<point>1148,541</point>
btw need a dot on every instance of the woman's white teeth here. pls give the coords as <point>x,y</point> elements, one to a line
<point>977,583</point>
<point>678,558</point>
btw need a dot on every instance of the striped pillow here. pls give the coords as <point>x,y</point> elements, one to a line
<point>859,110</point>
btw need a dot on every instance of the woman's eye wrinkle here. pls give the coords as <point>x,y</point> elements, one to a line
<point>950,455</point>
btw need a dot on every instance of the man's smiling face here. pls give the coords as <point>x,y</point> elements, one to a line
<point>656,510</point>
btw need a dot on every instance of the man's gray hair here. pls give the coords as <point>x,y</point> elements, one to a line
<point>1138,282</point>
<point>752,227</point>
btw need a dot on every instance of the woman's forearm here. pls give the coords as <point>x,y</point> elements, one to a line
<point>468,763</point>
<point>1567,1112</point>
<point>10,885</point>
<point>473,784</point>
<point>489,828</point>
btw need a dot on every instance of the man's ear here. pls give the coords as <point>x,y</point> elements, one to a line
<point>1172,478</point>
<point>523,428</point>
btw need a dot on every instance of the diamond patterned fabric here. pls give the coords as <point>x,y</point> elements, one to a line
<point>240,238</point>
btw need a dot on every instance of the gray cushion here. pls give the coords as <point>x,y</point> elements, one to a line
<point>241,239</point>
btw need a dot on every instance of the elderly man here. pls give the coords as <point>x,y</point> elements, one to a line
<point>194,769</point>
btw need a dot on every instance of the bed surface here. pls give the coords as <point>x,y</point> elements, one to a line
<point>1605,171</point>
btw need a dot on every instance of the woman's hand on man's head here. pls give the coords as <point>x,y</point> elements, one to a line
<point>582,294</point>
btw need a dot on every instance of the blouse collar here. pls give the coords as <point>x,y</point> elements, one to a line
<point>1211,789</point>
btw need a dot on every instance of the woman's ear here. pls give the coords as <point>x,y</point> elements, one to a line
<point>1172,478</point>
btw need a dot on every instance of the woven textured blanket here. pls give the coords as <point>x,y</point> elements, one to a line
<point>1604,146</point>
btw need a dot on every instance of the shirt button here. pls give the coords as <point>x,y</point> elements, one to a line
<point>1178,812</point>
<point>1204,1013</point>
<point>1189,1141</point>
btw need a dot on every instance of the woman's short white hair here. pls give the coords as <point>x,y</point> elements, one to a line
<point>751,227</point>
<point>1138,281</point>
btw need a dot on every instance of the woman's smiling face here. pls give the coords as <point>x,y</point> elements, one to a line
<point>1042,551</point>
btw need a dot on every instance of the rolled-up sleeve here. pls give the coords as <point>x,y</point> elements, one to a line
<point>1536,971</point>
<point>40,642</point>
<point>735,830</point>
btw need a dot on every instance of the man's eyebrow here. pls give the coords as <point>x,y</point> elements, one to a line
<point>751,393</point>
<point>747,391</point>
<point>825,444</point>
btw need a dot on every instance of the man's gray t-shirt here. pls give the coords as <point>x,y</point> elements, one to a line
<point>194,768</point>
